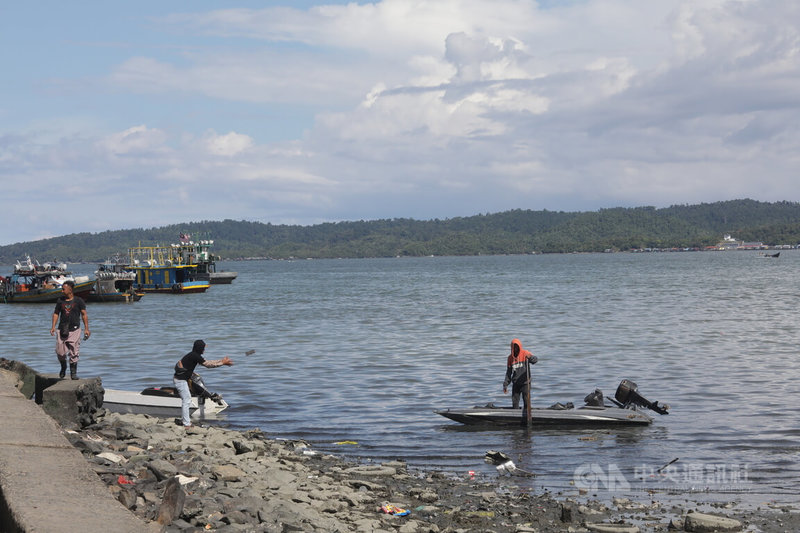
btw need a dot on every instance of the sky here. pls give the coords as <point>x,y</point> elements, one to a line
<point>117,115</point>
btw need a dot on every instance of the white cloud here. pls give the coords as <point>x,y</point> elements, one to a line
<point>137,139</point>
<point>229,144</point>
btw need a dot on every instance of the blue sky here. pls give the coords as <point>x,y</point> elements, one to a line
<point>117,115</point>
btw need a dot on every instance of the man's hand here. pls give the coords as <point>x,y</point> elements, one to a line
<point>227,361</point>
<point>505,390</point>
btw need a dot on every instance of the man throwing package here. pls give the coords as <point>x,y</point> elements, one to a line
<point>183,373</point>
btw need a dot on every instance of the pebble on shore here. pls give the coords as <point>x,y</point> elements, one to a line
<point>216,479</point>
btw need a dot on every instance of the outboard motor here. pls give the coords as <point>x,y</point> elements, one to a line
<point>196,387</point>
<point>199,389</point>
<point>627,394</point>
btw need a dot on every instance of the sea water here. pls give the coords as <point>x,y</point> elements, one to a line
<point>354,355</point>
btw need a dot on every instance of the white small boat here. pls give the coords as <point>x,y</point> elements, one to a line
<point>165,402</point>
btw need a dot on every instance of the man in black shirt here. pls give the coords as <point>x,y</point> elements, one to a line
<point>68,313</point>
<point>183,373</point>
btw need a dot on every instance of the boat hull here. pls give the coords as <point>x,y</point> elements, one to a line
<point>175,288</point>
<point>222,278</point>
<point>582,417</point>
<point>120,401</point>
<point>114,296</point>
<point>46,296</point>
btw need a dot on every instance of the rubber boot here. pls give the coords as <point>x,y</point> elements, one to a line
<point>73,370</point>
<point>63,369</point>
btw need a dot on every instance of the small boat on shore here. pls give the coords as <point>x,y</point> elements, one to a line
<point>32,282</point>
<point>159,269</point>
<point>623,411</point>
<point>165,402</point>
<point>114,283</point>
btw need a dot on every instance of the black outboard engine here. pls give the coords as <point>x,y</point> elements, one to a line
<point>627,394</point>
<point>199,389</point>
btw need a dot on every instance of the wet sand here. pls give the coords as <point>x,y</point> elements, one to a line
<point>215,479</point>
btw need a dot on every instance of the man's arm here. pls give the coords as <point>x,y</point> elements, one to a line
<point>225,361</point>
<point>85,317</point>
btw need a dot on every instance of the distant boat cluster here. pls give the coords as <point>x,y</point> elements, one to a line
<point>727,243</point>
<point>185,267</point>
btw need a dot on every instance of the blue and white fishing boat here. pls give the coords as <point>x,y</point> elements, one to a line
<point>159,269</point>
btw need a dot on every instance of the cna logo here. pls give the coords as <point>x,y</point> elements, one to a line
<point>594,477</point>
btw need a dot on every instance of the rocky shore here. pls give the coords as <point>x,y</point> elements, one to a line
<point>215,479</point>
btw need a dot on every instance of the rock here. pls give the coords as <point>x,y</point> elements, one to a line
<point>677,524</point>
<point>72,403</point>
<point>111,457</point>
<point>706,523</point>
<point>227,473</point>
<point>172,505</point>
<point>372,470</point>
<point>92,446</point>
<point>276,478</point>
<point>569,512</point>
<point>236,517</point>
<point>368,485</point>
<point>430,496</point>
<point>241,447</point>
<point>611,528</point>
<point>127,497</point>
<point>162,469</point>
<point>409,527</point>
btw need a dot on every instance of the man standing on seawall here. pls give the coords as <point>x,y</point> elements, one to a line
<point>70,309</point>
<point>518,372</point>
<point>183,373</point>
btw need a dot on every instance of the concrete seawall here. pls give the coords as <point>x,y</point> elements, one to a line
<point>46,485</point>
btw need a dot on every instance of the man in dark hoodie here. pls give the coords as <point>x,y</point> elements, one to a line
<point>183,373</point>
<point>517,372</point>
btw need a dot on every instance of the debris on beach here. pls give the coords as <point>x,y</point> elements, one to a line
<point>222,479</point>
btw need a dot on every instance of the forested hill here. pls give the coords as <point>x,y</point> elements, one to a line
<point>510,232</point>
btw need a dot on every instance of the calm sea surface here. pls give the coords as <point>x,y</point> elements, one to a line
<point>365,350</point>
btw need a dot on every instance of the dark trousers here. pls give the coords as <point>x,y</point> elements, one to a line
<point>517,391</point>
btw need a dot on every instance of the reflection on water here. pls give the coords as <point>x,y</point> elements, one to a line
<point>365,350</point>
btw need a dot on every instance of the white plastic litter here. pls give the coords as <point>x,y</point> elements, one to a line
<point>507,468</point>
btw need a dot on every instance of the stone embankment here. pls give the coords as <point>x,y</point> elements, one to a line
<point>45,483</point>
<point>153,475</point>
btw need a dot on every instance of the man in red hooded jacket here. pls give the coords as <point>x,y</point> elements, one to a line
<point>517,372</point>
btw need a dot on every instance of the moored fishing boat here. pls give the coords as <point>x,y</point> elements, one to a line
<point>199,253</point>
<point>158,269</point>
<point>114,283</point>
<point>32,282</point>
